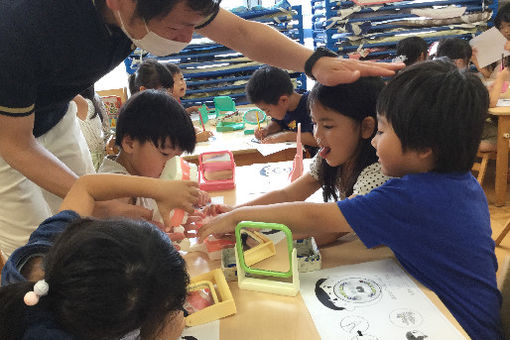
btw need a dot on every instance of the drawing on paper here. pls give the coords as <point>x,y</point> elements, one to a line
<point>348,293</point>
<point>272,170</point>
<point>415,335</point>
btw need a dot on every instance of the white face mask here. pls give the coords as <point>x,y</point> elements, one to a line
<point>154,43</point>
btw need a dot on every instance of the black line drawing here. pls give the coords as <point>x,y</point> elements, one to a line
<point>405,318</point>
<point>354,324</point>
<point>347,293</point>
<point>415,335</point>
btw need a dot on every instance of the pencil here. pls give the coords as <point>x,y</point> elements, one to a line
<point>201,120</point>
<point>258,121</point>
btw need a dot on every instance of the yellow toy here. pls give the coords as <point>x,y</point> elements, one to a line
<point>222,297</point>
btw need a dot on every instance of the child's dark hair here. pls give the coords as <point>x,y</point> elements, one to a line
<point>173,69</point>
<point>412,48</point>
<point>502,15</point>
<point>435,105</point>
<point>357,101</point>
<point>106,278</point>
<point>454,48</point>
<point>153,115</point>
<point>151,75</point>
<point>268,84</point>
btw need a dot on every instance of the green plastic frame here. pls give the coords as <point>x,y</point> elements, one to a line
<point>263,225</point>
<point>262,117</point>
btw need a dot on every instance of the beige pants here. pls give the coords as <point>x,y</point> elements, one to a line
<point>23,204</point>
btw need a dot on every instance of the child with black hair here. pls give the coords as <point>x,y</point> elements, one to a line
<point>180,86</point>
<point>345,122</point>
<point>271,90</point>
<point>153,75</point>
<point>434,216</point>
<point>413,49</point>
<point>152,128</point>
<point>502,23</point>
<point>98,279</point>
<point>457,50</point>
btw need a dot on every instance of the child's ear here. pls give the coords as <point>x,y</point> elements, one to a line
<point>284,100</point>
<point>425,153</point>
<point>368,126</point>
<point>128,144</point>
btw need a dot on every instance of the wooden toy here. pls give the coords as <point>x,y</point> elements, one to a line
<point>222,297</point>
<point>216,170</point>
<point>267,280</point>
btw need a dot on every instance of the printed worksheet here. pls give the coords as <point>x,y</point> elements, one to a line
<point>208,331</point>
<point>372,300</point>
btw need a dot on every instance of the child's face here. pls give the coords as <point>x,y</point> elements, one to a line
<point>179,90</point>
<point>148,160</point>
<point>394,162</point>
<point>338,136</point>
<point>505,29</point>
<point>277,111</point>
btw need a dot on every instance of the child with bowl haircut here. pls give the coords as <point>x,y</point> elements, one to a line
<point>435,216</point>
<point>271,90</point>
<point>151,129</point>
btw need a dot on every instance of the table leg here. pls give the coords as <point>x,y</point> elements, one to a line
<point>502,160</point>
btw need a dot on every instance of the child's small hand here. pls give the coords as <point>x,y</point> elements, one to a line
<point>192,109</point>
<point>203,198</point>
<point>218,226</point>
<point>261,133</point>
<point>216,209</point>
<point>203,136</point>
<point>280,137</point>
<point>177,194</point>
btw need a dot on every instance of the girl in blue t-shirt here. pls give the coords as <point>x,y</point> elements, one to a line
<point>344,118</point>
<point>99,278</point>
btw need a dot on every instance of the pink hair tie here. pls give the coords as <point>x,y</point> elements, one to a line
<point>41,288</point>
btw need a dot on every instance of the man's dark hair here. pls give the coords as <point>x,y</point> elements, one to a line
<point>153,115</point>
<point>435,105</point>
<point>149,9</point>
<point>268,84</point>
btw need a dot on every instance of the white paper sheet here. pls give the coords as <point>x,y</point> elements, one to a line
<point>372,300</point>
<point>503,102</point>
<point>268,149</point>
<point>208,331</point>
<point>490,46</point>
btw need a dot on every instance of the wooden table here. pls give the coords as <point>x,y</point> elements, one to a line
<point>268,316</point>
<point>235,141</point>
<point>503,114</point>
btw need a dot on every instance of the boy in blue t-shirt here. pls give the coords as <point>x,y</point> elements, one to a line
<point>434,217</point>
<point>271,90</point>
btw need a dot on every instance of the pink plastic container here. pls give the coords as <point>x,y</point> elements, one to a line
<point>216,170</point>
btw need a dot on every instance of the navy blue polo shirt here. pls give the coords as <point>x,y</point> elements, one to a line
<point>51,50</point>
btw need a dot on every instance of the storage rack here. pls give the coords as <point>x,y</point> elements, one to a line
<point>212,70</point>
<point>371,32</point>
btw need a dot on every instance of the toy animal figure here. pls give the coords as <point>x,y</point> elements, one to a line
<point>233,117</point>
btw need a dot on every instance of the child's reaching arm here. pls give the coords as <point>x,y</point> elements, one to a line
<point>495,90</point>
<point>302,218</point>
<point>168,194</point>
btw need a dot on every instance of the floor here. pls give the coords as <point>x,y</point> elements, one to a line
<point>499,215</point>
